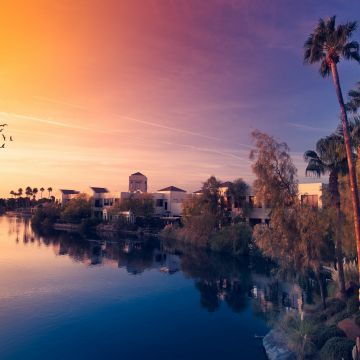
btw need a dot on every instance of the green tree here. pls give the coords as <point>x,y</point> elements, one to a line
<point>141,205</point>
<point>354,102</point>
<point>330,157</point>
<point>327,45</point>
<point>77,209</point>
<point>237,192</point>
<point>34,192</point>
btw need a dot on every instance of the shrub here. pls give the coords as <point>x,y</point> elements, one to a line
<point>353,304</point>
<point>337,348</point>
<point>233,240</point>
<point>357,320</point>
<point>327,333</point>
<point>334,306</point>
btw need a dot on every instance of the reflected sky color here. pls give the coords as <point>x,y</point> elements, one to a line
<point>95,90</point>
<point>55,304</point>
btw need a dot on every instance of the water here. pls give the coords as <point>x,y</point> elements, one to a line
<point>66,298</point>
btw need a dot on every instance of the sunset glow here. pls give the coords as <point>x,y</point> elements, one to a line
<point>95,90</point>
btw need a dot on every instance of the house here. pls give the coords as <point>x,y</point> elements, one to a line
<point>168,201</point>
<point>67,195</point>
<point>102,199</point>
<point>137,183</point>
<point>311,193</point>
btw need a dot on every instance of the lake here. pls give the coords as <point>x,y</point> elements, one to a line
<point>63,297</point>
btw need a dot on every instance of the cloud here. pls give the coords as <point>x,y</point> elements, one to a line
<point>308,127</point>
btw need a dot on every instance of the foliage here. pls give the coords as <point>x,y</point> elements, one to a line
<point>46,216</point>
<point>337,348</point>
<point>299,332</point>
<point>237,192</point>
<point>142,205</point>
<point>322,336</point>
<point>234,239</point>
<point>77,209</point>
<point>275,183</point>
<point>329,43</point>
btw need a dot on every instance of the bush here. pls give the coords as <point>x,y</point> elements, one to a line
<point>353,304</point>
<point>234,240</point>
<point>357,320</point>
<point>334,306</point>
<point>327,333</point>
<point>337,348</point>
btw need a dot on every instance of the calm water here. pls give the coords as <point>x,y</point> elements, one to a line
<point>66,298</point>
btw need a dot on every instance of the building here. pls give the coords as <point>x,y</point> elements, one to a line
<point>311,193</point>
<point>67,195</point>
<point>102,199</point>
<point>168,201</point>
<point>137,183</point>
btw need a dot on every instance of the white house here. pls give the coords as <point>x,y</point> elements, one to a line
<point>168,201</point>
<point>67,195</point>
<point>102,199</point>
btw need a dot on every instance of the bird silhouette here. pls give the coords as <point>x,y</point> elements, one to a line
<point>11,139</point>
<point>4,137</point>
<point>3,146</point>
<point>2,125</point>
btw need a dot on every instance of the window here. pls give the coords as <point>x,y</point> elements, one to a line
<point>159,203</point>
<point>97,203</point>
<point>254,202</point>
<point>239,204</point>
<point>311,200</point>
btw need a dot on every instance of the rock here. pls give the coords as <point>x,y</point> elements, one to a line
<point>276,348</point>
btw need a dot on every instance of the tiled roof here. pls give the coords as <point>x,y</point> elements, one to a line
<point>99,190</point>
<point>138,173</point>
<point>172,188</point>
<point>69,192</point>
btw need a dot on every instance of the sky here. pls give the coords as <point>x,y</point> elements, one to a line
<point>93,91</point>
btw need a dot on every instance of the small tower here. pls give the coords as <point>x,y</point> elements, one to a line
<point>137,182</point>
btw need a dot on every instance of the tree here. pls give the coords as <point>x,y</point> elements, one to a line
<point>237,192</point>
<point>275,172</point>
<point>327,45</point>
<point>28,193</point>
<point>141,205</point>
<point>13,193</point>
<point>330,157</point>
<point>77,209</point>
<point>41,191</point>
<point>49,189</point>
<point>354,102</point>
<point>34,192</point>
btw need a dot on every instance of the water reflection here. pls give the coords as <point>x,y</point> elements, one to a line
<point>218,278</point>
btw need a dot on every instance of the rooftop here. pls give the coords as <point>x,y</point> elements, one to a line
<point>69,192</point>
<point>137,173</point>
<point>172,188</point>
<point>99,190</point>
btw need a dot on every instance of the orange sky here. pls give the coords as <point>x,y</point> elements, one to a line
<point>95,90</point>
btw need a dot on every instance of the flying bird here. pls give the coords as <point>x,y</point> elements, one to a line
<point>2,125</point>
<point>3,146</point>
<point>11,139</point>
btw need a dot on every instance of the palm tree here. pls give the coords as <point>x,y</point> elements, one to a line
<point>354,102</point>
<point>28,193</point>
<point>13,193</point>
<point>330,157</point>
<point>41,191</point>
<point>328,44</point>
<point>49,189</point>
<point>34,192</point>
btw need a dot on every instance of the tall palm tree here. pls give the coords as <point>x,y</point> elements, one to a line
<point>330,157</point>
<point>28,193</point>
<point>41,191</point>
<point>49,189</point>
<point>34,192</point>
<point>327,45</point>
<point>13,193</point>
